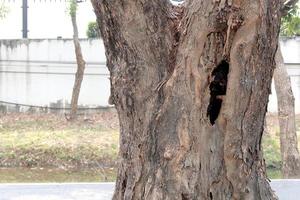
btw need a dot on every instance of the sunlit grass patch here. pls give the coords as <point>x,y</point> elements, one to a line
<point>53,142</point>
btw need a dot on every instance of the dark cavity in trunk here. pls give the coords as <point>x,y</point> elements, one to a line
<point>217,88</point>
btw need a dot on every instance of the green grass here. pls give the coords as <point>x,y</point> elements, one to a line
<point>274,173</point>
<point>271,149</point>
<point>52,142</point>
<point>272,155</point>
<point>271,146</point>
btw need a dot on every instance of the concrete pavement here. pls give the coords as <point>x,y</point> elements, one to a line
<point>285,189</point>
<point>64,191</point>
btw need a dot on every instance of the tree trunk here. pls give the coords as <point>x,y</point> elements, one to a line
<point>80,70</point>
<point>286,115</point>
<point>191,87</point>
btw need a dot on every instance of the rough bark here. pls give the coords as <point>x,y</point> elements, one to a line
<point>286,116</point>
<point>181,136</point>
<point>80,70</point>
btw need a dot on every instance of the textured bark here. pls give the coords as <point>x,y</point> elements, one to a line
<point>80,70</point>
<point>164,63</point>
<point>286,116</point>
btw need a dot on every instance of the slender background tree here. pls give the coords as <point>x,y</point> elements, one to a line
<point>73,6</point>
<point>286,103</point>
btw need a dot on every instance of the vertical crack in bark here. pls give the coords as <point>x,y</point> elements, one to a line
<point>176,14</point>
<point>242,124</point>
<point>234,22</point>
<point>184,197</point>
<point>124,183</point>
<point>211,196</point>
<point>217,90</point>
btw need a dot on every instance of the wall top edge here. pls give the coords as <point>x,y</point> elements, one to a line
<point>282,38</point>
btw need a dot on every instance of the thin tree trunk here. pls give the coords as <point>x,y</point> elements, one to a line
<point>80,70</point>
<point>191,88</point>
<point>286,115</point>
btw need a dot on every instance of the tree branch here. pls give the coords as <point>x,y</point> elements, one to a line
<point>287,6</point>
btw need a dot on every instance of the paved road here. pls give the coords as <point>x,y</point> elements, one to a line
<point>285,189</point>
<point>65,191</point>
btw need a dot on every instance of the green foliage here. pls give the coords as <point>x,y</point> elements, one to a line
<point>72,7</point>
<point>3,10</point>
<point>290,24</point>
<point>93,30</point>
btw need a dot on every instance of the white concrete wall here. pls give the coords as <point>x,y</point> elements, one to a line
<point>291,53</point>
<point>39,72</point>
<point>51,50</point>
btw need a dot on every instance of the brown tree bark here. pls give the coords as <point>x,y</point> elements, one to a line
<point>80,70</point>
<point>286,116</point>
<point>191,88</point>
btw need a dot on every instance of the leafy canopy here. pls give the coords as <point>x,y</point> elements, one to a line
<point>3,10</point>
<point>93,30</point>
<point>290,24</point>
<point>72,7</point>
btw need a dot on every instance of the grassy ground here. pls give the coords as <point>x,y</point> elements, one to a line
<point>271,145</point>
<point>31,140</point>
<point>48,143</point>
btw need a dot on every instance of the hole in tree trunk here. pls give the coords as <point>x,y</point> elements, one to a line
<point>124,183</point>
<point>210,196</point>
<point>217,88</point>
<point>184,197</point>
